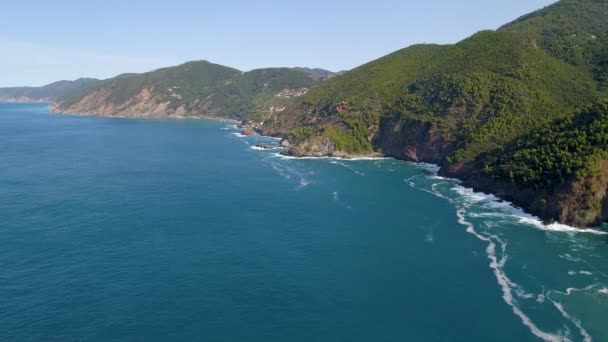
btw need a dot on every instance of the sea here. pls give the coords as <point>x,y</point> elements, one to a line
<point>119,229</point>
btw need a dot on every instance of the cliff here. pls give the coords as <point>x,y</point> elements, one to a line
<point>518,112</point>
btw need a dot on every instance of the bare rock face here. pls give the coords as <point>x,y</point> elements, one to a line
<point>320,146</point>
<point>412,141</point>
<point>584,202</point>
<point>145,104</point>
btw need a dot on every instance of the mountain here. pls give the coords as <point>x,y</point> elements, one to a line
<point>196,88</point>
<point>47,93</point>
<point>317,73</point>
<point>518,112</point>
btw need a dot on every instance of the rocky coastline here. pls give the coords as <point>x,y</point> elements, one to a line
<point>573,204</point>
<point>56,110</point>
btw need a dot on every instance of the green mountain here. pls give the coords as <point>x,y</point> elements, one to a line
<point>483,109</point>
<point>317,73</point>
<point>48,93</point>
<point>193,89</point>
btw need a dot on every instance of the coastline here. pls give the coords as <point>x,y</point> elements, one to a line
<point>155,117</point>
<point>465,184</point>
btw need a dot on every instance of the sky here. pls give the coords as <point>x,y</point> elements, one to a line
<point>45,41</point>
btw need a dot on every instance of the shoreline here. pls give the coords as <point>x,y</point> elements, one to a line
<point>181,117</point>
<point>462,184</point>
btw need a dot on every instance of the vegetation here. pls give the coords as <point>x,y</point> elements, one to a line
<point>201,88</point>
<point>49,92</point>
<point>253,92</point>
<point>481,92</point>
<point>555,154</point>
<point>521,105</point>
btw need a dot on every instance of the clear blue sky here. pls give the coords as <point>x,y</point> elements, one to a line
<point>44,41</point>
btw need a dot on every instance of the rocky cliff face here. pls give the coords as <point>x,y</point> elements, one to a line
<point>581,203</point>
<point>145,104</point>
<point>412,141</point>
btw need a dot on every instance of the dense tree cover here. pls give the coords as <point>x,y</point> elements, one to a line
<point>254,91</point>
<point>352,138</point>
<point>481,92</point>
<point>183,83</point>
<point>203,87</point>
<point>562,151</point>
<point>571,30</point>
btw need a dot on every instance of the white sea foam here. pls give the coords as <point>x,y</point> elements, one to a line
<point>492,202</point>
<point>239,134</point>
<point>335,196</point>
<point>428,167</point>
<point>269,148</point>
<point>278,155</point>
<point>280,171</point>
<point>503,280</point>
<point>603,291</point>
<point>290,173</point>
<point>365,158</point>
<point>497,208</point>
<point>541,298</point>
<point>576,322</point>
<point>303,183</point>
<point>570,290</point>
<point>433,191</point>
<point>569,257</point>
<point>350,167</point>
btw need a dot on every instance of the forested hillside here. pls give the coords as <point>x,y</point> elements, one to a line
<point>463,105</point>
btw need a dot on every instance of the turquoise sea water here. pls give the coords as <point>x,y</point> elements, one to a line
<point>155,230</point>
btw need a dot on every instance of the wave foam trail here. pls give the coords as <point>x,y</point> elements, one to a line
<point>267,148</point>
<point>303,183</point>
<point>432,168</point>
<point>335,196</point>
<point>503,279</point>
<point>489,206</point>
<point>492,202</point>
<point>348,167</point>
<point>576,322</point>
<point>280,171</point>
<point>289,173</point>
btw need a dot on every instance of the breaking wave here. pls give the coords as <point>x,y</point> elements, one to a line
<point>492,211</point>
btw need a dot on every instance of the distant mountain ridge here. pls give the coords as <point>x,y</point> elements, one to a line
<point>317,73</point>
<point>194,89</point>
<point>48,93</point>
